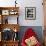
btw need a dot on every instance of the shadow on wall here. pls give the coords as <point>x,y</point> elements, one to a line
<point>37,29</point>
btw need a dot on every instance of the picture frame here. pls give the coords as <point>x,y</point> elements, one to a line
<point>5,12</point>
<point>13,12</point>
<point>30,13</point>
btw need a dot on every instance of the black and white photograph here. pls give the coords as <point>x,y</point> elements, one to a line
<point>30,13</point>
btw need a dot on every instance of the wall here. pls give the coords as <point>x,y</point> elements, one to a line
<point>27,3</point>
<point>39,12</point>
<point>36,29</point>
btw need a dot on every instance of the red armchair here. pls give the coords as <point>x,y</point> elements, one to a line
<point>30,39</point>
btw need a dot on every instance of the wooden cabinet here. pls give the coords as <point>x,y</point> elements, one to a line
<point>0,43</point>
<point>5,26</point>
<point>10,43</point>
<point>6,12</point>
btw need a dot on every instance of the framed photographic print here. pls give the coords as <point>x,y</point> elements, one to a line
<point>30,13</point>
<point>5,12</point>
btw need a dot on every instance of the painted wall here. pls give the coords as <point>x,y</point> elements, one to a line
<point>26,3</point>
<point>39,13</point>
<point>37,29</point>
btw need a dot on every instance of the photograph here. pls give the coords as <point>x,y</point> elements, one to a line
<point>30,13</point>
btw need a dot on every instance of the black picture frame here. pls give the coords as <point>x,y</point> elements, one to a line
<point>30,13</point>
